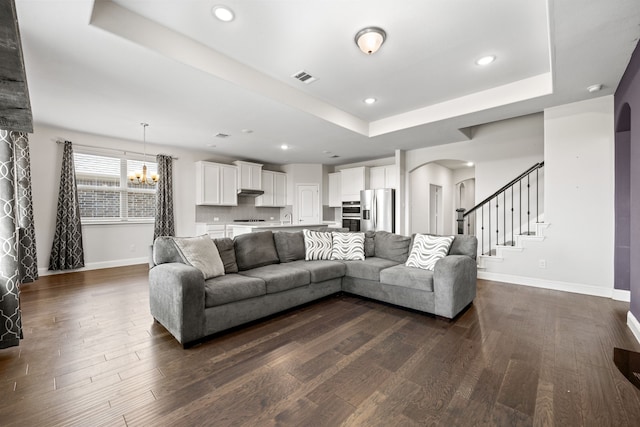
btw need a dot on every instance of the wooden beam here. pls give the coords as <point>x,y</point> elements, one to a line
<point>15,106</point>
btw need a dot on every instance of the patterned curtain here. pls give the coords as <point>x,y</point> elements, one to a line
<point>164,225</point>
<point>67,252</point>
<point>24,213</point>
<point>10,317</point>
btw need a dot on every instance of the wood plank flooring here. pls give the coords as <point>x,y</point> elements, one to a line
<point>93,356</point>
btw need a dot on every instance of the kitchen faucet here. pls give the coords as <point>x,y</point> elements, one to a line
<point>288,215</point>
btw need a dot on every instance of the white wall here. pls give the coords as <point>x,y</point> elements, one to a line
<point>105,245</point>
<point>420,180</point>
<point>579,204</point>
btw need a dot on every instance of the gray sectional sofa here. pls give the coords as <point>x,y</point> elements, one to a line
<point>266,273</point>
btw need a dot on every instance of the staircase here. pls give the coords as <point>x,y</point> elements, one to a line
<point>511,216</point>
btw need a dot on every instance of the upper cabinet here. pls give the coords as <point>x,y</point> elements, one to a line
<point>249,175</point>
<point>216,184</point>
<point>354,180</point>
<point>274,185</point>
<point>382,177</point>
<point>335,190</point>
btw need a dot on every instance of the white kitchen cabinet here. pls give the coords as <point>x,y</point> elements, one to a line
<point>382,177</point>
<point>274,185</point>
<point>215,231</point>
<point>354,180</point>
<point>249,175</point>
<point>335,191</point>
<point>216,184</point>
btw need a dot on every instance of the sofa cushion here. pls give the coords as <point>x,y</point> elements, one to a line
<point>321,270</point>
<point>165,251</point>
<point>255,250</point>
<point>427,250</point>
<point>347,246</point>
<point>232,287</point>
<point>317,245</point>
<point>201,253</point>
<point>369,243</point>
<point>227,254</point>
<point>280,277</point>
<point>408,277</point>
<point>290,246</point>
<point>464,245</point>
<point>369,268</point>
<point>392,246</point>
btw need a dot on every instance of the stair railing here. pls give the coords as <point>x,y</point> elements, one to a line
<point>504,226</point>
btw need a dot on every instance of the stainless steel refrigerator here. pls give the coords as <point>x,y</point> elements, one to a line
<point>378,210</point>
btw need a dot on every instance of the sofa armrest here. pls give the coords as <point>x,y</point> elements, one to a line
<point>454,284</point>
<point>176,299</point>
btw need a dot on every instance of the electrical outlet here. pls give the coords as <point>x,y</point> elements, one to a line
<point>132,248</point>
<point>542,263</point>
<point>271,218</point>
<point>215,218</point>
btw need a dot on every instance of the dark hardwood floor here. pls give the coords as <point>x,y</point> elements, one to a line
<point>93,356</point>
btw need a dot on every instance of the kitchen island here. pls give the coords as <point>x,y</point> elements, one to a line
<point>238,228</point>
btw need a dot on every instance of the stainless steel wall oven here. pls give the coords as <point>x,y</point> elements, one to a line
<point>351,215</point>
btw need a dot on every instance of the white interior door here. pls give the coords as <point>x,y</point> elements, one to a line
<point>435,209</point>
<point>308,203</point>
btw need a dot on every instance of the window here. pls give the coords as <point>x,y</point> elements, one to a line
<point>105,193</point>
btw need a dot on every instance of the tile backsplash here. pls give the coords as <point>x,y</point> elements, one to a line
<point>246,209</point>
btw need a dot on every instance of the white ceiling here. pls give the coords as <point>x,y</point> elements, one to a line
<point>104,67</point>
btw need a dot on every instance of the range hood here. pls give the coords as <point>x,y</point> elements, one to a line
<point>249,192</point>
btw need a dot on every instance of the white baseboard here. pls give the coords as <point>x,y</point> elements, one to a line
<point>634,325</point>
<point>621,295</point>
<point>576,288</point>
<point>97,265</point>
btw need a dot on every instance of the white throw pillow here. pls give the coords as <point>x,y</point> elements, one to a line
<point>427,250</point>
<point>348,246</point>
<point>201,252</point>
<point>317,245</point>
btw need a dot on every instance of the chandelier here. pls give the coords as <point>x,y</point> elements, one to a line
<point>141,177</point>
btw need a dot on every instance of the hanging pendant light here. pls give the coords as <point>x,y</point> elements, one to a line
<point>141,177</point>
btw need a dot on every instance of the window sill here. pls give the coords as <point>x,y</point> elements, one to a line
<point>117,222</point>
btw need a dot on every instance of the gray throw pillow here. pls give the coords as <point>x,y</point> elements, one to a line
<point>165,250</point>
<point>255,250</point>
<point>391,246</point>
<point>227,254</point>
<point>290,246</point>
<point>369,243</point>
<point>201,253</point>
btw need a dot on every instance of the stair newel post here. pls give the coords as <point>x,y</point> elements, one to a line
<point>504,218</point>
<point>528,205</point>
<point>537,194</point>
<point>460,220</point>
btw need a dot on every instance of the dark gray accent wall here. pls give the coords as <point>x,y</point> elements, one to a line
<point>627,197</point>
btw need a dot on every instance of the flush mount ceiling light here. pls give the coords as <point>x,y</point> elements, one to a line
<point>486,60</point>
<point>370,39</point>
<point>370,101</point>
<point>223,13</point>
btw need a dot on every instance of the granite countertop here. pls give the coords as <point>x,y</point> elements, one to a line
<point>272,225</point>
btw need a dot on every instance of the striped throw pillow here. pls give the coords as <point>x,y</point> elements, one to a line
<point>348,246</point>
<point>317,245</point>
<point>427,250</point>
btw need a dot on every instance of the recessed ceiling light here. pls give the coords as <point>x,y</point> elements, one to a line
<point>223,13</point>
<point>370,101</point>
<point>284,147</point>
<point>486,60</point>
<point>594,88</point>
<point>247,131</point>
<point>469,164</point>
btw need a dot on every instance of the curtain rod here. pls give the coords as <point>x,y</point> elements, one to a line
<point>59,141</point>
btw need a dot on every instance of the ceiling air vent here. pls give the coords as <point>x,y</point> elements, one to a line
<point>304,77</point>
<point>222,135</point>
